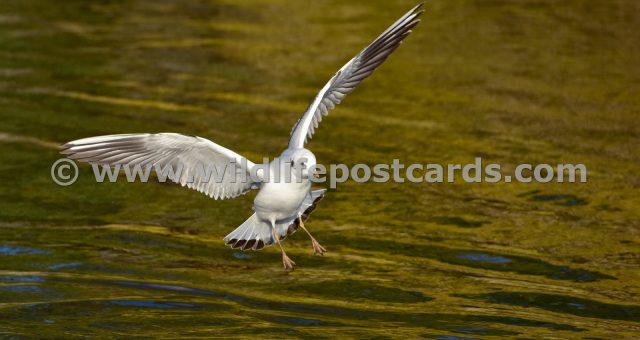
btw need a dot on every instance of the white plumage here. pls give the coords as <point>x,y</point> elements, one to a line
<point>280,208</point>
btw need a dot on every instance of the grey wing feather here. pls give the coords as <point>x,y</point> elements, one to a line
<point>352,74</point>
<point>192,159</point>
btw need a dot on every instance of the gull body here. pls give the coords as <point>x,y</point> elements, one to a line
<point>285,199</point>
<point>281,195</point>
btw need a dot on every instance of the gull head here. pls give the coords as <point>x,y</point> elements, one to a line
<point>302,159</point>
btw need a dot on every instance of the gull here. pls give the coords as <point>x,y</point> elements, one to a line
<point>284,200</point>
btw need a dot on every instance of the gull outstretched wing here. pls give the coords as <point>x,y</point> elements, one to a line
<point>193,160</point>
<point>352,74</point>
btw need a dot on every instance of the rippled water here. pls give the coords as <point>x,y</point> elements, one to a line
<point>510,81</point>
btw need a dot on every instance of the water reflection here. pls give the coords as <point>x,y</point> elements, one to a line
<point>517,82</point>
<point>565,304</point>
<point>19,250</point>
<point>487,260</point>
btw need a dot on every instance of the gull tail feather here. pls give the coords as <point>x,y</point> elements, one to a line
<point>253,234</point>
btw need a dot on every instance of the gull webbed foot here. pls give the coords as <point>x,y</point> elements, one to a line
<point>287,262</point>
<point>317,248</point>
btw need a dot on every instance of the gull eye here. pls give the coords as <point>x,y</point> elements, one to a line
<point>292,163</point>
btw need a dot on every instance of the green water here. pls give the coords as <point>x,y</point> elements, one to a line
<point>510,81</point>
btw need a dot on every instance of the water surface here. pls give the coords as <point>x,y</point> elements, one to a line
<point>510,81</point>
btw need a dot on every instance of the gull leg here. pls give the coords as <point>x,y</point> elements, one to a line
<point>317,248</point>
<point>286,261</point>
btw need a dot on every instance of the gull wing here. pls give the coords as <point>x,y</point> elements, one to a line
<point>351,75</point>
<point>195,156</point>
